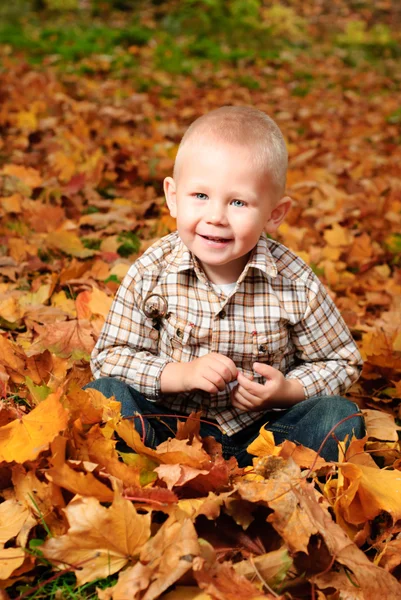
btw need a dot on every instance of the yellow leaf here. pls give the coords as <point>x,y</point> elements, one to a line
<point>69,243</point>
<point>100,541</point>
<point>26,121</point>
<point>368,492</point>
<point>337,236</point>
<point>60,300</point>
<point>120,270</point>
<point>39,297</point>
<point>263,445</point>
<point>24,439</point>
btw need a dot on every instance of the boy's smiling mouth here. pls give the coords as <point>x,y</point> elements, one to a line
<point>214,238</point>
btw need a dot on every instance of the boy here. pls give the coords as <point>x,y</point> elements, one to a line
<point>217,317</point>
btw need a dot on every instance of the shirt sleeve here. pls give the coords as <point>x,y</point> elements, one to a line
<point>127,347</point>
<point>329,360</point>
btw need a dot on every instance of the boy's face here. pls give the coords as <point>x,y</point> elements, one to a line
<point>222,204</point>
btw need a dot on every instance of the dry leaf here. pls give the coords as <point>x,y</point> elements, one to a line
<point>100,541</point>
<point>25,438</point>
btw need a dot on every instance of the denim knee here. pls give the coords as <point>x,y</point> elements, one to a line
<point>108,386</point>
<point>336,408</point>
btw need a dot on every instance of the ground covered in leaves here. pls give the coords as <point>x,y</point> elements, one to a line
<point>82,159</point>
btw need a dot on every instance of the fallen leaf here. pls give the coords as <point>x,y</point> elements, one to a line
<point>65,338</point>
<point>25,438</point>
<point>100,541</point>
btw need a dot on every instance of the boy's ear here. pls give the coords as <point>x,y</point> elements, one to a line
<point>171,195</point>
<point>278,214</point>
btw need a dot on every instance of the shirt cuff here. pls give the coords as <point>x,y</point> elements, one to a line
<point>148,375</point>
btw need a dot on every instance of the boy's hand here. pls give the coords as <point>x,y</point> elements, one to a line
<point>276,392</point>
<point>210,373</point>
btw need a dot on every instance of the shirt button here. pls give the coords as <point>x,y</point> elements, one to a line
<point>262,348</point>
<point>179,333</point>
<point>223,314</point>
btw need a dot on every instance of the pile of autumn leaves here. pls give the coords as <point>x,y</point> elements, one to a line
<point>182,515</point>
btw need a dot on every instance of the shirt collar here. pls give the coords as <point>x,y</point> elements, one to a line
<point>261,258</point>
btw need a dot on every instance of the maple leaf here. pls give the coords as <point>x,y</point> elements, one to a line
<point>272,567</point>
<point>65,338</point>
<point>368,491</point>
<point>164,559</point>
<point>63,475</point>
<point>91,303</point>
<point>43,499</point>
<point>100,541</point>
<point>10,560</point>
<point>380,425</point>
<point>223,582</point>
<point>25,438</point>
<point>97,448</point>
<point>373,581</point>
<point>13,516</point>
<point>277,492</point>
<point>172,451</point>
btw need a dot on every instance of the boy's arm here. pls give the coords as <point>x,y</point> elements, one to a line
<point>128,343</point>
<point>329,360</point>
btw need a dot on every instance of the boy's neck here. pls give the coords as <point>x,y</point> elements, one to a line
<point>225,274</point>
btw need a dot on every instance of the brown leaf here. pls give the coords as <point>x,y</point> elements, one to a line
<point>65,338</point>
<point>100,541</point>
<point>164,559</point>
<point>278,493</point>
<point>373,581</point>
<point>170,452</point>
<point>223,583</point>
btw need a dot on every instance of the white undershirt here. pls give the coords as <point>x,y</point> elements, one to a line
<point>226,288</point>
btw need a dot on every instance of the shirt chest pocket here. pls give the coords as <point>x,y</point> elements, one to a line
<point>174,338</point>
<point>270,348</point>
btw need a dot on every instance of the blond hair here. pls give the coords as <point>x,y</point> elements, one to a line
<point>242,125</point>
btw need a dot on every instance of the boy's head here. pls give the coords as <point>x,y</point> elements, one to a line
<point>227,187</point>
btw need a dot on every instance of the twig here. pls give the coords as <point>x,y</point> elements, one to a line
<point>267,586</point>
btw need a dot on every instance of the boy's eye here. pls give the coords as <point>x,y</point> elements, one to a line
<point>201,196</point>
<point>238,203</point>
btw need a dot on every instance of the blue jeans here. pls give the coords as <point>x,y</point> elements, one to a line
<point>306,423</point>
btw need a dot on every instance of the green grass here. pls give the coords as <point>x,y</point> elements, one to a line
<point>62,588</point>
<point>192,32</point>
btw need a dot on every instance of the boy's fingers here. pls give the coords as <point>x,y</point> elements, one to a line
<point>242,406</point>
<point>230,368</point>
<point>238,400</point>
<point>226,367</point>
<point>254,400</point>
<point>251,386</point>
<point>265,370</point>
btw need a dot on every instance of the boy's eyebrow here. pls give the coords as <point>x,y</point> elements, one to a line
<point>205,187</point>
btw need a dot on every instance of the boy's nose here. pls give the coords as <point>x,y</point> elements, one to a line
<point>216,214</point>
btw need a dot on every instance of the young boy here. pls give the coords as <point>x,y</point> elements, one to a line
<point>218,317</point>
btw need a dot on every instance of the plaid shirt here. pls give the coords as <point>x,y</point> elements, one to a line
<point>279,313</point>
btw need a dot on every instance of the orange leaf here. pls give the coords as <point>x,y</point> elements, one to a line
<point>24,439</point>
<point>31,177</point>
